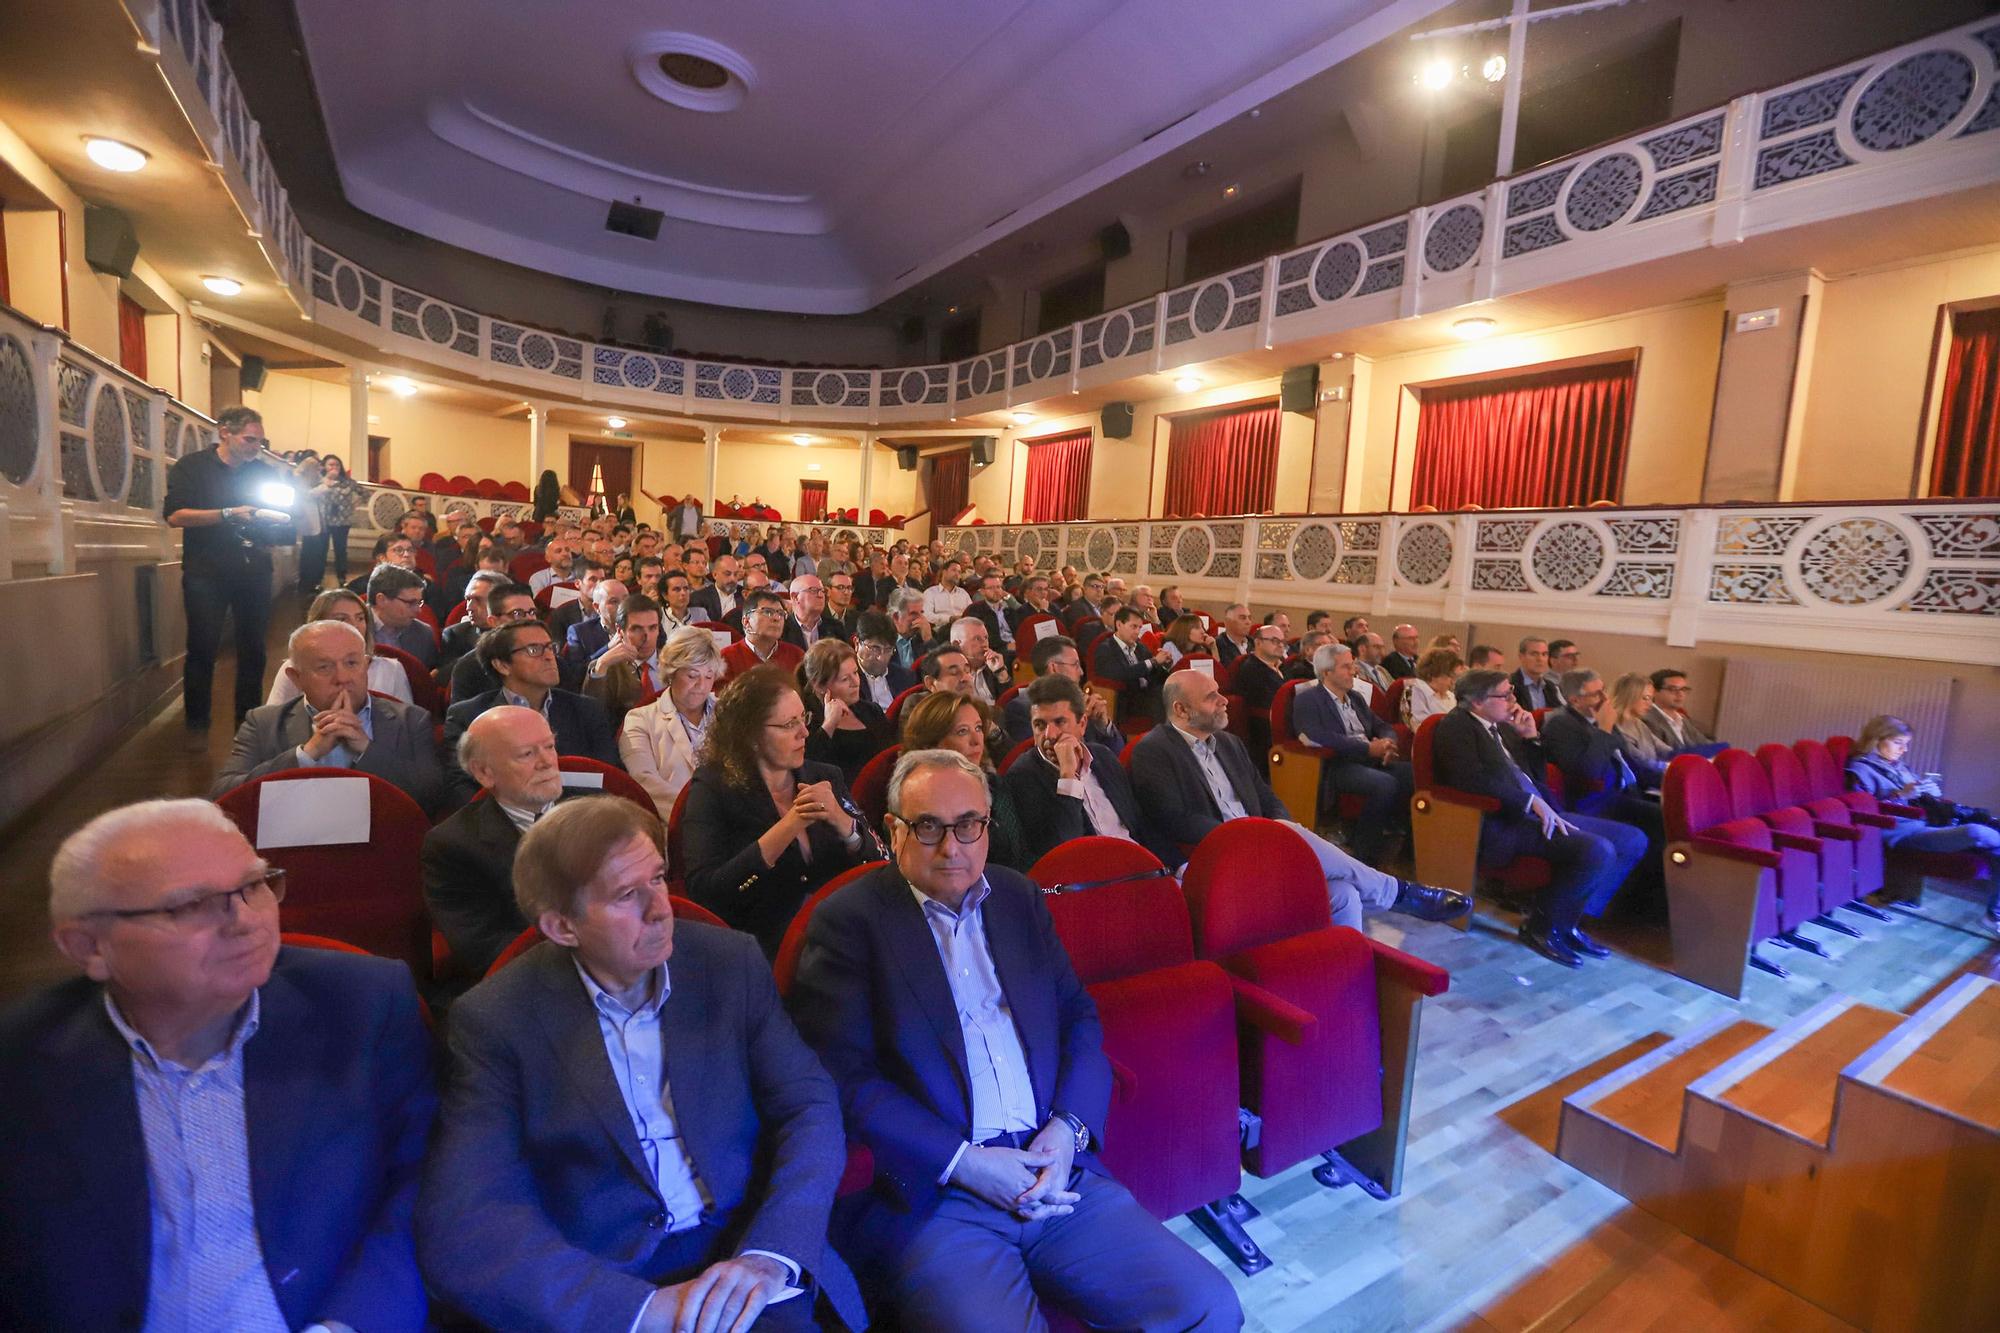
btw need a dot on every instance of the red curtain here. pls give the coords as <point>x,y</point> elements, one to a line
<point>812,501</point>
<point>951,474</point>
<point>1967,462</point>
<point>1058,478</point>
<point>1223,462</point>
<point>1555,440</point>
<point>131,335</point>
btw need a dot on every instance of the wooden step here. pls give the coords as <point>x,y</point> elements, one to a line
<point>1955,1065</point>
<point>1650,1105</point>
<point>1789,1078</point>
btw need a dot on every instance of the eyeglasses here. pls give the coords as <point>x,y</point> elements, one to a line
<point>929,830</point>
<point>535,649</point>
<point>769,613</point>
<point>517,613</point>
<point>412,602</point>
<point>209,909</point>
<point>1489,697</point>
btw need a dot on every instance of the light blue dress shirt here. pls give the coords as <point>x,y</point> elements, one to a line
<point>207,1270</point>
<point>339,756</point>
<point>1211,772</point>
<point>1003,1097</point>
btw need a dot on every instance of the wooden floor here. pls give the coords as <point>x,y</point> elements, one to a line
<point>1492,1231</point>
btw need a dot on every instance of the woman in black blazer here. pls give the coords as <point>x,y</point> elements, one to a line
<point>848,728</point>
<point>764,826</point>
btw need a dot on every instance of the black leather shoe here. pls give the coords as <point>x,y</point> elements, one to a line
<point>1427,903</point>
<point>1549,943</point>
<point>1583,944</point>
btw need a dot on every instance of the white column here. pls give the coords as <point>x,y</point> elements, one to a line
<point>867,472</point>
<point>357,419</point>
<point>1510,97</point>
<point>538,442</point>
<point>711,437</point>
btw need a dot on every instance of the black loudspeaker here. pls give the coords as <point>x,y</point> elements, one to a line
<point>1114,242</point>
<point>109,243</point>
<point>982,451</point>
<point>1116,421</point>
<point>1298,391</point>
<point>251,374</point>
<point>906,457</point>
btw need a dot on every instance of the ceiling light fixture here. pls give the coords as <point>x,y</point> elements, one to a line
<point>400,385</point>
<point>1474,329</point>
<point>1436,75</point>
<point>113,155</point>
<point>1021,418</point>
<point>1494,70</point>
<point>222,286</point>
<point>802,440</point>
<point>1187,384</point>
<point>616,423</point>
<point>1229,191</point>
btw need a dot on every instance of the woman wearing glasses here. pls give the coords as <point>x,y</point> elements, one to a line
<point>964,725</point>
<point>764,827</point>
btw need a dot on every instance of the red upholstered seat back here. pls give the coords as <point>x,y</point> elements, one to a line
<point>456,614</point>
<point>1122,930</point>
<point>871,785</point>
<point>1822,773</point>
<point>1085,860</point>
<point>1026,635</point>
<point>895,709</point>
<point>1394,698</point>
<point>527,564</point>
<point>1250,882</point>
<point>368,894</point>
<point>423,689</point>
<point>1420,753</point>
<point>676,866</point>
<point>617,782</point>
<point>1749,788</point>
<point>1692,798</point>
<point>1014,755</point>
<point>1785,774</point>
<point>1841,748</point>
<point>1281,711</point>
<point>786,965</point>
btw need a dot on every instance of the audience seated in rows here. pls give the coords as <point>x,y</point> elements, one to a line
<point>626,674</point>
<point>989,1189</point>
<point>461,638</point>
<point>385,674</point>
<point>335,722</point>
<point>521,656</point>
<point>1069,786</point>
<point>507,604</point>
<point>1365,762</point>
<point>1607,772</point>
<point>1120,661</point>
<point>847,728</point>
<point>964,725</point>
<point>1875,766</point>
<point>661,742</point>
<point>763,642</point>
<point>395,597</point>
<point>1668,718</point>
<point>1535,683</point>
<point>883,676</point>
<point>1369,651</point>
<point>988,667</point>
<point>810,622</point>
<point>590,632</point>
<point>1401,661</point>
<point>1056,655</point>
<point>990,610</point>
<point>560,554</point>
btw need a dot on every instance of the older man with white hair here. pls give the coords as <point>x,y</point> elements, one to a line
<point>335,722</point>
<point>989,669</point>
<point>209,1130</point>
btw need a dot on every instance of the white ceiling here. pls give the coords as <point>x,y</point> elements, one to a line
<point>877,142</point>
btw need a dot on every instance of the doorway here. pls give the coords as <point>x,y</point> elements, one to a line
<point>586,457</point>
<point>378,458</point>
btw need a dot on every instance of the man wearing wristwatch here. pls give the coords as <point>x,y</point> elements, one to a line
<point>969,1060</point>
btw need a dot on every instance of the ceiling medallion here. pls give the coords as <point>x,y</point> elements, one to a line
<point>690,72</point>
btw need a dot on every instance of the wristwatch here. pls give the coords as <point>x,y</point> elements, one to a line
<point>1077,1127</point>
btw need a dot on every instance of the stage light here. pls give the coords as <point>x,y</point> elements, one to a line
<point>400,385</point>
<point>1436,75</point>
<point>222,286</point>
<point>1021,418</point>
<point>1494,70</point>
<point>113,155</point>
<point>802,440</point>
<point>1474,329</point>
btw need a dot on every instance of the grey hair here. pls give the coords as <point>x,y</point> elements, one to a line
<point>687,647</point>
<point>958,630</point>
<point>467,748</point>
<point>492,578</point>
<point>311,627</point>
<point>1573,683</point>
<point>1328,657</point>
<point>903,599</point>
<point>81,864</point>
<point>911,761</point>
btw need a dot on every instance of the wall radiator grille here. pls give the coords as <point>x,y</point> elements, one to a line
<point>1764,701</point>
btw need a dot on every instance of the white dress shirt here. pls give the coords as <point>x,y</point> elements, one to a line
<point>1097,807</point>
<point>943,605</point>
<point>878,689</point>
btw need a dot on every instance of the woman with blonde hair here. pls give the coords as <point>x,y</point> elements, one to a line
<point>958,722</point>
<point>1631,700</point>
<point>848,729</point>
<point>661,741</point>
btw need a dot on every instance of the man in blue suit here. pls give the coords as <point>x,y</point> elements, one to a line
<point>969,1061</point>
<point>626,1145</point>
<point>206,1130</point>
<point>1333,716</point>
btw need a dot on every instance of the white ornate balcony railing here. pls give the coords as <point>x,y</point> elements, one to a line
<point>84,449</point>
<point>1905,124</point>
<point>1915,579</point>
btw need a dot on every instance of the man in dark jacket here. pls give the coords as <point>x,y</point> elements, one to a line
<point>1068,787</point>
<point>522,656</point>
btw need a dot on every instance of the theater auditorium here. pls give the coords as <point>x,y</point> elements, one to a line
<point>1316,665</point>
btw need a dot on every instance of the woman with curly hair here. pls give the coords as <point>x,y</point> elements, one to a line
<point>947,721</point>
<point>848,729</point>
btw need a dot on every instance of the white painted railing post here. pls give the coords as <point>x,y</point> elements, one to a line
<point>1409,302</point>
<point>1739,157</point>
<point>1458,584</point>
<point>1385,566</point>
<point>1692,563</point>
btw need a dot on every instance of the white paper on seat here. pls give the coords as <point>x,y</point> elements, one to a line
<point>322,812</point>
<point>1045,629</point>
<point>583,780</point>
<point>563,597</point>
<point>1205,665</point>
<point>721,637</point>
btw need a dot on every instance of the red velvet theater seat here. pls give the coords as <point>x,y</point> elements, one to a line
<point>1826,866</point>
<point>1082,862</point>
<point>1445,826</point>
<point>1170,1032</point>
<point>1832,818</point>
<point>368,894</point>
<point>871,786</point>
<point>1723,880</point>
<point>1904,869</point>
<point>1342,1089</point>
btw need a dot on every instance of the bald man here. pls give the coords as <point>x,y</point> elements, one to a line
<point>335,722</point>
<point>209,1131</point>
<point>468,860</point>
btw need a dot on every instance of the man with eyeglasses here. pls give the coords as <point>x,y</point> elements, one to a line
<point>1487,745</point>
<point>522,657</point>
<point>763,642</point>
<point>840,605</point>
<point>395,597</point>
<point>505,604</point>
<point>811,619</point>
<point>990,610</point>
<point>335,722</point>
<point>1259,674</point>
<point>1668,717</point>
<point>208,1130</point>
<point>1056,655</point>
<point>882,676</point>
<point>947,670</point>
<point>970,1059</point>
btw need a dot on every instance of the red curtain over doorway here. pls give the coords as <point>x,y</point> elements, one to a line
<point>131,335</point>
<point>1966,464</point>
<point>1554,440</point>
<point>1058,484</point>
<point>1223,462</point>
<point>812,501</point>
<point>951,475</point>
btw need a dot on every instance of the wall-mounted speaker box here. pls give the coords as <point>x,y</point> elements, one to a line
<point>1298,391</point>
<point>1114,242</point>
<point>982,451</point>
<point>906,457</point>
<point>251,373</point>
<point>109,243</point>
<point>1116,421</point>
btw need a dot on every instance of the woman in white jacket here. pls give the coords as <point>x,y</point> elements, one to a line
<point>661,742</point>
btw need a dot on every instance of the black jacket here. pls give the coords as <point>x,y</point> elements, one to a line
<point>1549,685</point>
<point>1049,818</point>
<point>1258,682</point>
<point>1181,810</point>
<point>581,726</point>
<point>1399,667</point>
<point>1138,677</point>
<point>468,864</point>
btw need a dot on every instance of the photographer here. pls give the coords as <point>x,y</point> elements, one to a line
<point>234,506</point>
<point>1876,766</point>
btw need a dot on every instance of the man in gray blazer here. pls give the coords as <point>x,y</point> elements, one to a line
<point>335,722</point>
<point>624,1145</point>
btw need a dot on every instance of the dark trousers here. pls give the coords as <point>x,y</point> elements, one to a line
<point>1644,896</point>
<point>243,594</point>
<point>312,562</point>
<point>1385,803</point>
<point>1585,867</point>
<point>337,540</point>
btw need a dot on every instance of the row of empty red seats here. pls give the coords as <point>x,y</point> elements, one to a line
<point>486,488</point>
